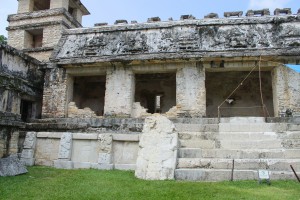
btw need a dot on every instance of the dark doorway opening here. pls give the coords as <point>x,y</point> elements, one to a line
<point>26,110</point>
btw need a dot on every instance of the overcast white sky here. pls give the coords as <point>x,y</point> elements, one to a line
<point>140,10</point>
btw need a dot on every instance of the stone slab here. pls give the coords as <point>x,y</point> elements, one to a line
<point>61,164</point>
<point>11,166</point>
<point>126,137</point>
<point>125,167</point>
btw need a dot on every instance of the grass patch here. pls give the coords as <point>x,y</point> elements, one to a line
<point>50,183</point>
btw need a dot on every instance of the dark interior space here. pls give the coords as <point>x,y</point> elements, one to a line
<point>156,92</point>
<point>89,91</point>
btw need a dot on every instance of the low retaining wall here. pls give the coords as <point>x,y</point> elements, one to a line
<point>81,150</point>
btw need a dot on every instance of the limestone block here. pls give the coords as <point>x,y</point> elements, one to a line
<point>30,140</point>
<point>105,143</point>
<point>27,153</point>
<point>65,148</point>
<point>138,110</point>
<point>104,158</point>
<point>157,154</point>
<point>62,164</point>
<point>102,166</point>
<point>11,166</point>
<point>28,161</point>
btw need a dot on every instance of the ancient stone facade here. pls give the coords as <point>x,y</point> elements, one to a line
<point>104,85</point>
<point>38,25</point>
<point>21,86</point>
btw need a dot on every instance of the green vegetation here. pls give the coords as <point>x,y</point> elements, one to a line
<point>49,183</point>
<point>3,39</point>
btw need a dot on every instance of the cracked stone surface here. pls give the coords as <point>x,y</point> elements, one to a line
<point>157,149</point>
<point>11,166</point>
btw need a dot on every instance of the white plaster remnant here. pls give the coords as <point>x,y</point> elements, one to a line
<point>139,111</point>
<point>158,147</point>
<point>65,148</point>
<point>74,112</point>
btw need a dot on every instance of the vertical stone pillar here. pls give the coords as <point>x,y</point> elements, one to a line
<point>105,142</point>
<point>28,152</point>
<point>119,94</point>
<point>59,4</point>
<point>65,152</point>
<point>13,143</point>
<point>286,90</point>
<point>55,93</point>
<point>190,90</point>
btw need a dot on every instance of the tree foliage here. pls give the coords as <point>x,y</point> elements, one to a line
<point>3,39</point>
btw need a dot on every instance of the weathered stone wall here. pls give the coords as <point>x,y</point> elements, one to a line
<point>59,4</point>
<point>119,94</point>
<point>81,150</point>
<point>229,37</point>
<point>286,90</point>
<point>55,93</point>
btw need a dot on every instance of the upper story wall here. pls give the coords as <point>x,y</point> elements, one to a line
<point>277,35</point>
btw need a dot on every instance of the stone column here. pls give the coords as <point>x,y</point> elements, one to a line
<point>13,143</point>
<point>286,90</point>
<point>190,90</point>
<point>55,93</point>
<point>28,152</point>
<point>65,152</point>
<point>120,89</point>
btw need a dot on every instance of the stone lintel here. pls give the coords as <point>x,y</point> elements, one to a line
<point>50,135</point>
<point>211,16</point>
<point>153,19</point>
<point>126,137</point>
<point>121,21</point>
<point>263,12</point>
<point>187,17</point>
<point>285,11</point>
<point>85,136</point>
<point>233,14</point>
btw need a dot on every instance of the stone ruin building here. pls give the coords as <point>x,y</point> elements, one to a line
<point>169,99</point>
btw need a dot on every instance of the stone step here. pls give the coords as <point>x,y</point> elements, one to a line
<point>248,127</point>
<point>197,143</point>
<point>291,143</point>
<point>197,135</point>
<point>250,144</point>
<point>239,153</point>
<point>180,127</point>
<point>239,164</point>
<point>225,175</point>
<point>243,120</point>
<point>293,127</point>
<point>246,135</point>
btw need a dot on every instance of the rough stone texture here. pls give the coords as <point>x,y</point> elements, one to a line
<point>30,140</point>
<point>190,91</point>
<point>74,112</point>
<point>286,90</point>
<point>263,12</point>
<point>28,153</point>
<point>138,110</point>
<point>65,147</point>
<point>119,93</point>
<point>182,39</point>
<point>11,166</point>
<point>55,93</point>
<point>157,155</point>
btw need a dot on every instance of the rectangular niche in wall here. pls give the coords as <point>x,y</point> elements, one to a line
<point>33,38</point>
<point>156,92</point>
<point>89,92</point>
<point>246,101</point>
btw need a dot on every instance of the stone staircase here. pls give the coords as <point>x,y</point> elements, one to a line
<point>208,149</point>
